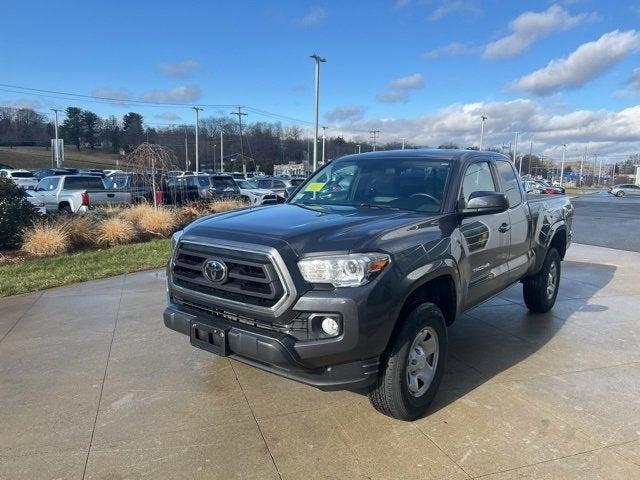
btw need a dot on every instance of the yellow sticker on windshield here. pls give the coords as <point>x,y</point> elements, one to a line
<point>314,187</point>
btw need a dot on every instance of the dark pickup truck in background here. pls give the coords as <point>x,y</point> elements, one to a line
<point>353,282</point>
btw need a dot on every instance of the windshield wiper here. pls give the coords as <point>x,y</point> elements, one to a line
<point>375,205</point>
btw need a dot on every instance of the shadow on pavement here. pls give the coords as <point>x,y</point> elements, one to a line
<point>497,339</point>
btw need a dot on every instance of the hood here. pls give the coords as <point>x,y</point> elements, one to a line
<point>339,229</point>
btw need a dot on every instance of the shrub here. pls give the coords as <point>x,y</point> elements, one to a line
<point>16,213</point>
<point>82,230</point>
<point>158,221</point>
<point>226,205</point>
<point>136,212</point>
<point>115,231</point>
<point>45,239</point>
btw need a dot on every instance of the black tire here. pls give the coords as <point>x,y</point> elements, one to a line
<point>536,289</point>
<point>620,194</point>
<point>390,394</point>
<point>65,209</point>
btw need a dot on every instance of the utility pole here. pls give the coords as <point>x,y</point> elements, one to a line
<point>483,118</point>
<point>56,151</point>
<point>582,160</point>
<point>595,167</point>
<point>197,110</point>
<point>359,148</point>
<point>318,59</point>
<point>241,114</point>
<point>214,156</point>
<point>564,152</point>
<point>530,154</point>
<point>403,143</point>
<point>515,154</point>
<point>374,137</point>
<point>186,150</point>
<point>221,152</point>
<point>324,137</point>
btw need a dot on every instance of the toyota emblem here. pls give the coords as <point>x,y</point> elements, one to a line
<point>215,270</point>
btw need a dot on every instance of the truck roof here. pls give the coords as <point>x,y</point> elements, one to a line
<point>428,153</point>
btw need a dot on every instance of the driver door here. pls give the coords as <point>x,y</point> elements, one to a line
<point>485,238</point>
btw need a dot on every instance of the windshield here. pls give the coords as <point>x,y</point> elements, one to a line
<point>22,174</point>
<point>400,183</point>
<point>247,184</point>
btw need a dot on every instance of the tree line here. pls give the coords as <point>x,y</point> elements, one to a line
<point>263,143</point>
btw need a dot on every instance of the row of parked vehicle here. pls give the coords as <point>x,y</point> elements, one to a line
<point>542,186</point>
<point>75,191</point>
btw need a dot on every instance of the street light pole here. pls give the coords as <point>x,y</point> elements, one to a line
<point>374,136</point>
<point>359,148</point>
<point>221,152</point>
<point>324,137</point>
<point>197,110</point>
<point>240,114</point>
<point>564,152</point>
<point>483,118</point>
<point>403,143</point>
<point>56,151</point>
<point>318,59</point>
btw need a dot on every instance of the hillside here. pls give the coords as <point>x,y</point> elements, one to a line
<point>40,157</point>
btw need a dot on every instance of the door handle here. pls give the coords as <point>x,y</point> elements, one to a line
<point>504,228</point>
<point>111,195</point>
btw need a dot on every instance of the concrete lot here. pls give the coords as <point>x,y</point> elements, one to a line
<point>93,386</point>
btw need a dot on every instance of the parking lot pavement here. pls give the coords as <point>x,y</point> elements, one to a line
<point>92,385</point>
<point>607,221</point>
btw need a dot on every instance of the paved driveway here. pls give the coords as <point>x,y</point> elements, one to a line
<point>93,386</point>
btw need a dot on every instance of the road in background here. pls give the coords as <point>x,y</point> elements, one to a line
<point>607,221</point>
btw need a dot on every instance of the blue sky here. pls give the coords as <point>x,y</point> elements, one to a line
<point>423,69</point>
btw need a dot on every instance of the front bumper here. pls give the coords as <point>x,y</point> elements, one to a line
<point>284,355</point>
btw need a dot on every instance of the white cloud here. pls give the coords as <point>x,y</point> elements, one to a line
<point>170,116</point>
<point>587,62</point>
<point>634,80</point>
<point>183,93</point>
<point>184,69</point>
<point>449,50</point>
<point>400,88</point>
<point>606,132</point>
<point>401,3</point>
<point>530,27</point>
<point>450,7</point>
<point>345,113</point>
<point>314,16</point>
<point>118,96</point>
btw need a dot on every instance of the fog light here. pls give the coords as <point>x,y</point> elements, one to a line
<point>330,326</point>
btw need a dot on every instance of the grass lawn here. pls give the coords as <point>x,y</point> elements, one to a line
<point>41,273</point>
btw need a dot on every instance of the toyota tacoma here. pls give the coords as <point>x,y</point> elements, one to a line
<point>354,281</point>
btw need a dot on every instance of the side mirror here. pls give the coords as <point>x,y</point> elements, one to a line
<point>31,187</point>
<point>485,203</point>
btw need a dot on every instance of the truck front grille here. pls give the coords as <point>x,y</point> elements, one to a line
<point>251,277</point>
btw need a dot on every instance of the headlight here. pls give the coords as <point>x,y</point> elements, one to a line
<point>175,238</point>
<point>343,270</point>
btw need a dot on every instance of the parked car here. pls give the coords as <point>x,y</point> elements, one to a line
<point>76,193</point>
<point>354,281</point>
<point>187,188</point>
<point>275,184</point>
<point>551,189</point>
<point>224,187</point>
<point>37,203</point>
<point>108,173</point>
<point>254,195</point>
<point>140,185</point>
<point>532,187</point>
<point>624,189</point>
<point>22,178</point>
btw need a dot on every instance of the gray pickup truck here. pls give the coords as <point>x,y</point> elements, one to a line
<point>77,193</point>
<point>353,282</point>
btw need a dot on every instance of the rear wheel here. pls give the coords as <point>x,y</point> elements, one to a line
<point>540,291</point>
<point>65,209</point>
<point>620,193</point>
<point>413,367</point>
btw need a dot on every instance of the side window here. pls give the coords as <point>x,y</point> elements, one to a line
<point>43,184</point>
<point>53,183</point>
<point>278,184</point>
<point>510,183</point>
<point>477,178</point>
<point>264,184</point>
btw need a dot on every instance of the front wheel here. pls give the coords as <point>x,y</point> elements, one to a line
<point>540,291</point>
<point>413,367</point>
<point>620,194</point>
